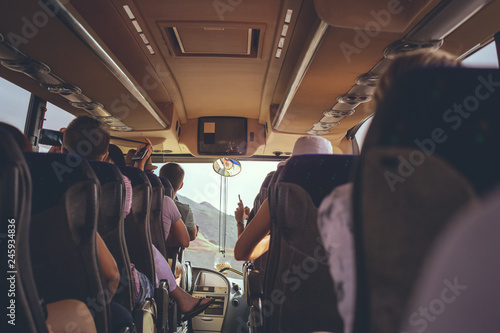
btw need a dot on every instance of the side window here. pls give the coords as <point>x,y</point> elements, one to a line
<point>361,133</point>
<point>15,102</point>
<point>55,119</point>
<point>485,57</point>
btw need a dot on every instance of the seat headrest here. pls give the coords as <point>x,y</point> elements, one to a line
<point>53,174</point>
<point>317,174</point>
<point>153,179</point>
<point>452,112</point>
<point>106,172</point>
<point>136,176</point>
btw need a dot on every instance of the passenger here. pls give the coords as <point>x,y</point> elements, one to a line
<point>176,233</point>
<point>253,240</point>
<point>335,223</point>
<point>88,138</point>
<point>65,312</point>
<point>175,174</point>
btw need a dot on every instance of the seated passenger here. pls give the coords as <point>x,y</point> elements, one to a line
<point>175,233</point>
<point>253,240</point>
<point>335,213</point>
<point>115,155</point>
<point>175,174</point>
<point>88,138</point>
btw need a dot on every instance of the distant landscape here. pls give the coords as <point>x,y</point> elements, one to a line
<point>202,251</point>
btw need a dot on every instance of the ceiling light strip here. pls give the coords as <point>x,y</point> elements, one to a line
<point>77,28</point>
<point>312,48</point>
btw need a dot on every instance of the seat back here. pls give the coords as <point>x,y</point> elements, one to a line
<point>63,232</point>
<point>297,266</point>
<point>458,282</point>
<point>15,207</point>
<point>156,218</point>
<point>110,226</point>
<point>168,189</point>
<point>137,225</point>
<point>428,151</point>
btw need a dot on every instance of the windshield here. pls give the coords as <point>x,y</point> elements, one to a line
<point>201,191</point>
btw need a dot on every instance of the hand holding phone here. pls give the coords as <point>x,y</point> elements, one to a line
<point>140,154</point>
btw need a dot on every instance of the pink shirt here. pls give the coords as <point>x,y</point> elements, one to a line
<point>128,194</point>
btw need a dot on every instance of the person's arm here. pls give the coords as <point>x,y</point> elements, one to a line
<point>254,240</point>
<point>193,233</point>
<point>241,214</point>
<point>108,266</point>
<point>178,236</point>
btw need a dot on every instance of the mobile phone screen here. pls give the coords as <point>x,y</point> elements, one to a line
<point>50,137</point>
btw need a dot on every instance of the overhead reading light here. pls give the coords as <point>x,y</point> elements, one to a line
<point>122,128</point>
<point>353,99</point>
<point>338,113</point>
<point>326,125</point>
<point>108,119</point>
<point>62,89</point>
<point>317,132</point>
<point>367,79</point>
<point>407,47</point>
<point>87,106</point>
<point>26,66</point>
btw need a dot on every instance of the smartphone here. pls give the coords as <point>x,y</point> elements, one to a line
<point>139,155</point>
<point>50,137</point>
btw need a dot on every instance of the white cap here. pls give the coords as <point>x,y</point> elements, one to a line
<point>312,145</point>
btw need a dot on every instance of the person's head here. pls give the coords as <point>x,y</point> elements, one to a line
<point>87,138</point>
<point>115,155</point>
<point>174,173</point>
<point>312,145</point>
<point>408,63</point>
<point>18,136</point>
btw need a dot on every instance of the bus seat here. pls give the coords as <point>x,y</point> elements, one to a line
<point>298,287</point>
<point>425,156</point>
<point>458,287</point>
<point>158,238</point>
<point>15,206</point>
<point>156,220</point>
<point>138,240</point>
<point>137,223</point>
<point>63,232</point>
<point>254,271</point>
<point>110,226</point>
<point>169,190</point>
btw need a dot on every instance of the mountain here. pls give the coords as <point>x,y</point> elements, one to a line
<point>203,250</point>
<point>206,217</point>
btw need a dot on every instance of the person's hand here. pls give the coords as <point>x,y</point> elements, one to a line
<point>57,149</point>
<point>242,212</point>
<point>149,146</point>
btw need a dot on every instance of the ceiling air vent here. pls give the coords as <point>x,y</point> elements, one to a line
<point>213,39</point>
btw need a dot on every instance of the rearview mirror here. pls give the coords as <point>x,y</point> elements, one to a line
<point>227,167</point>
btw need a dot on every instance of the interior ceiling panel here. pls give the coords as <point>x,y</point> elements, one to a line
<point>221,76</point>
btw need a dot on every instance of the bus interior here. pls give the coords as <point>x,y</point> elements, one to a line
<point>225,88</point>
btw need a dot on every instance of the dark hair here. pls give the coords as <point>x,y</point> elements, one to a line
<point>18,136</point>
<point>87,138</point>
<point>115,155</point>
<point>174,173</point>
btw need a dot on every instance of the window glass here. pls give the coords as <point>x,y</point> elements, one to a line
<point>201,191</point>
<point>55,119</point>
<point>361,133</point>
<point>15,103</point>
<point>485,57</point>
